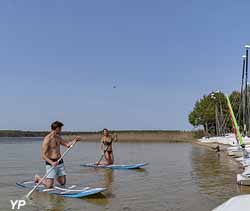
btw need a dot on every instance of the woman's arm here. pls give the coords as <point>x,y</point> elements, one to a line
<point>115,137</point>
<point>102,145</point>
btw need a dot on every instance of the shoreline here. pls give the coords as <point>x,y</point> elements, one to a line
<point>223,149</point>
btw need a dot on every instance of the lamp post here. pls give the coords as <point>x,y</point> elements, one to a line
<point>216,113</point>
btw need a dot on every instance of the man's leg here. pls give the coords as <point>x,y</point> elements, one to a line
<point>61,179</point>
<point>49,181</point>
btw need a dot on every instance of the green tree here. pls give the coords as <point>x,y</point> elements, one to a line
<point>209,109</point>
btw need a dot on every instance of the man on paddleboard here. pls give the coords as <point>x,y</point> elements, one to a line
<point>51,153</point>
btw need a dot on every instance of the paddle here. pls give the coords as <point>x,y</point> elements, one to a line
<point>103,154</point>
<point>45,176</point>
<point>105,151</point>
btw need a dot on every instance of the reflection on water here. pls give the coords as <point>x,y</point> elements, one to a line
<point>108,178</point>
<point>179,177</point>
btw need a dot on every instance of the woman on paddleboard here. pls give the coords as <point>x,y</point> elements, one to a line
<point>106,147</point>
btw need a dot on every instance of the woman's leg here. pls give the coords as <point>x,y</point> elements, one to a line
<point>107,158</point>
<point>110,158</point>
<point>105,162</point>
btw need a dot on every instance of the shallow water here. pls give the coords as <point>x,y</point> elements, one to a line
<point>180,176</point>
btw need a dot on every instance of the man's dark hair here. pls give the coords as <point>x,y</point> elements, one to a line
<point>105,129</point>
<point>56,124</point>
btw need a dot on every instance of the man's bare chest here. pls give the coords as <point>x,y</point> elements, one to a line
<point>54,143</point>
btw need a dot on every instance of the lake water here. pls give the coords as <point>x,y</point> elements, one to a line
<point>180,176</point>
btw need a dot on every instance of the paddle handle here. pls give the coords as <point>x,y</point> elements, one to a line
<point>45,176</point>
<point>100,159</point>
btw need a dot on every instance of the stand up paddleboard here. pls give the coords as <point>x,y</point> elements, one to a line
<point>70,192</point>
<point>125,167</point>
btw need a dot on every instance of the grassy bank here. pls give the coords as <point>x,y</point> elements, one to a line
<point>173,136</point>
<point>125,135</point>
<point>20,133</point>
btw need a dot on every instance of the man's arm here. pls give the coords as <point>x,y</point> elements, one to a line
<point>45,147</point>
<point>69,143</point>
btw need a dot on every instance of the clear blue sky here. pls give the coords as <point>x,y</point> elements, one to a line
<point>59,60</point>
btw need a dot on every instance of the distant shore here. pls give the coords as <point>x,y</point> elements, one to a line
<point>126,135</point>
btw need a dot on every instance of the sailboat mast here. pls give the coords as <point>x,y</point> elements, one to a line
<point>246,93</point>
<point>221,120</point>
<point>242,97</point>
<point>217,121</point>
<point>234,122</point>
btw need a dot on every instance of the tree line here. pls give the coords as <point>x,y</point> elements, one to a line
<point>212,114</point>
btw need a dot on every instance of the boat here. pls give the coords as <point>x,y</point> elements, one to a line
<point>241,202</point>
<point>237,151</point>
<point>243,113</point>
<point>245,162</point>
<point>125,167</point>
<point>70,192</point>
<point>244,178</point>
<point>238,135</point>
<point>231,150</point>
